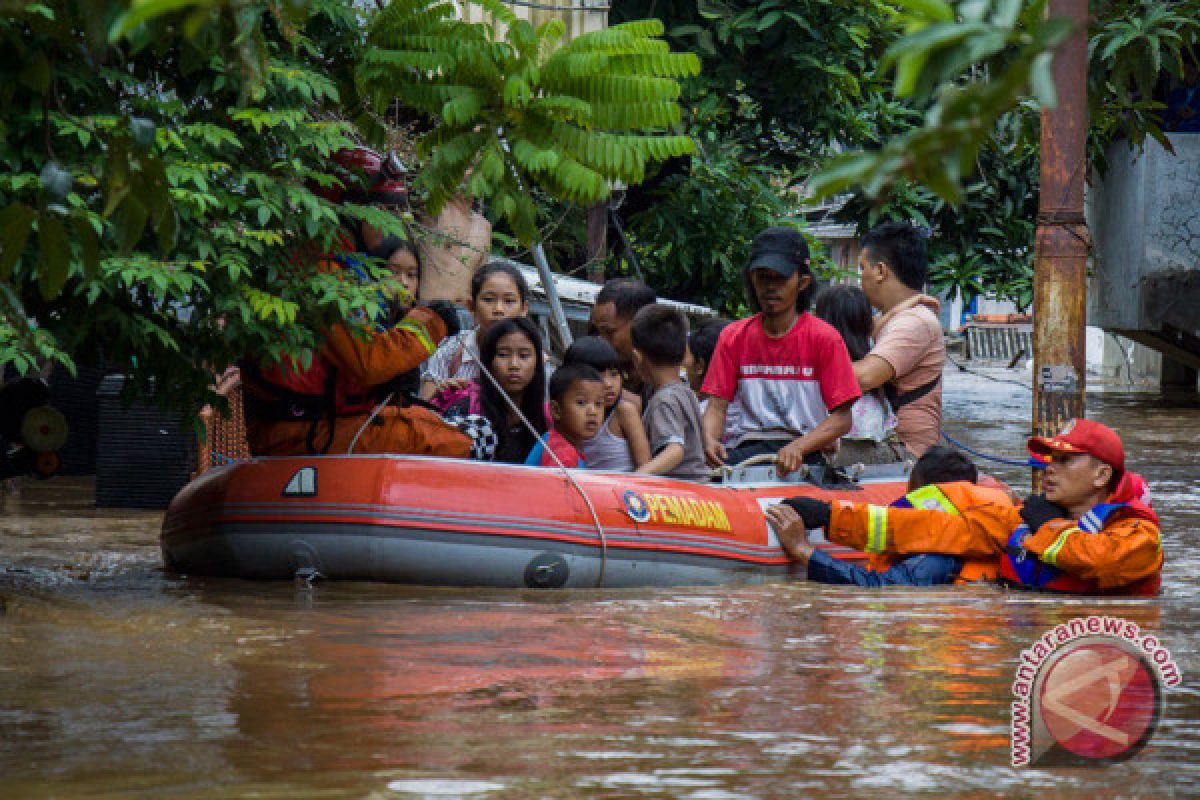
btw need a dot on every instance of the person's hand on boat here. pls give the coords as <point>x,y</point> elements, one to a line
<point>714,451</point>
<point>791,531</point>
<point>1037,511</point>
<point>814,512</point>
<point>453,384</point>
<point>790,458</point>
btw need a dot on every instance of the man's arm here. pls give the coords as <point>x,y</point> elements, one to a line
<point>1121,553</point>
<point>828,431</point>
<point>899,346</point>
<point>713,425</point>
<point>871,372</point>
<point>979,532</point>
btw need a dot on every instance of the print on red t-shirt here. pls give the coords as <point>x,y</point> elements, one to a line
<point>782,387</point>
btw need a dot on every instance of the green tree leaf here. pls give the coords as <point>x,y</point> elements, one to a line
<point>54,264</point>
<point>16,222</point>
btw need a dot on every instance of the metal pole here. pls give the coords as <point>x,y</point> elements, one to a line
<point>556,309</point>
<point>1062,244</point>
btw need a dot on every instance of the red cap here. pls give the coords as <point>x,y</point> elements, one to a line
<point>1083,436</point>
<point>388,193</point>
<point>360,160</point>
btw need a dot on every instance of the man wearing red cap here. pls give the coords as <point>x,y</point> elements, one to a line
<point>1089,533</point>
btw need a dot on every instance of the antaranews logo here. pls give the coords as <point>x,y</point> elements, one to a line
<point>1089,692</point>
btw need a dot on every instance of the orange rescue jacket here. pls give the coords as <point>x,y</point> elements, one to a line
<point>945,498</point>
<point>1123,553</point>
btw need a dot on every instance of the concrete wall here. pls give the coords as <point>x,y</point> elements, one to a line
<point>1145,220</point>
<point>585,16</point>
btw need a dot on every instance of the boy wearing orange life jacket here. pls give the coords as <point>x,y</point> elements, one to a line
<point>941,480</point>
<point>1089,533</point>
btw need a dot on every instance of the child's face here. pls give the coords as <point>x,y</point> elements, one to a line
<point>612,386</point>
<point>515,363</point>
<point>579,414</point>
<point>498,298</point>
<point>404,266</point>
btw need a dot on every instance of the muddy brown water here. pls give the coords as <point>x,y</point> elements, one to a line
<point>117,680</point>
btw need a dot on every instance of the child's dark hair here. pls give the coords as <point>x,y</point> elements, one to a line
<point>703,341</point>
<point>390,245</point>
<point>902,247</point>
<point>500,268</point>
<point>568,375</point>
<point>660,333</point>
<point>847,309</point>
<point>491,400</point>
<point>942,465</point>
<point>594,351</point>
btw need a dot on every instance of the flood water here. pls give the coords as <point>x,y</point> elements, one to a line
<point>117,680</point>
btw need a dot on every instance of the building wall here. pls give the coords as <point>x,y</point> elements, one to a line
<point>580,16</point>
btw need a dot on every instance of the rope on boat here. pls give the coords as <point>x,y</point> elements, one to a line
<point>370,419</point>
<point>1012,462</point>
<point>483,370</point>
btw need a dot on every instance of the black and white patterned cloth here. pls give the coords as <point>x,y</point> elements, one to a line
<point>483,436</point>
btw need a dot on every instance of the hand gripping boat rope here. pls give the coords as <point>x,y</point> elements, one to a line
<point>587,500</point>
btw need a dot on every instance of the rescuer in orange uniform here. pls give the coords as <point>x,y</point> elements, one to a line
<point>355,394</point>
<point>1088,534</point>
<point>941,480</point>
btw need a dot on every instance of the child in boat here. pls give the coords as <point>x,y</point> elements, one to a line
<point>577,407</point>
<point>401,258</point>
<point>702,343</point>
<point>620,445</point>
<point>498,291</point>
<point>672,415</point>
<point>512,351</point>
<point>872,438</point>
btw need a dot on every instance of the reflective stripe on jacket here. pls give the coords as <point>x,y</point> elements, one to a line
<point>1018,567</point>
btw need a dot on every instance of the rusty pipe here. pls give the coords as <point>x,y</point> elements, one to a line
<point>1062,244</point>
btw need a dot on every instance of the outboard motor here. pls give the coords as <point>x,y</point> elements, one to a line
<point>31,431</point>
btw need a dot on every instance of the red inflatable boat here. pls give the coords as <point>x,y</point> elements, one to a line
<point>433,521</point>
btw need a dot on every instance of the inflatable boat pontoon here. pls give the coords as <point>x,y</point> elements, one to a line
<point>446,522</point>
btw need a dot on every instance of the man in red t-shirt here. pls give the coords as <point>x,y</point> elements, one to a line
<point>788,373</point>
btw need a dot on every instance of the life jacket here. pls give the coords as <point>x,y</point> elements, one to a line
<point>1021,569</point>
<point>935,497</point>
<point>287,391</point>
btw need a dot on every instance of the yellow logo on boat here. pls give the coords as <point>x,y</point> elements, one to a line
<point>675,510</point>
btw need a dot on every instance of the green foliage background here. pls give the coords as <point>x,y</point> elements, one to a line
<point>930,102</point>
<point>159,157</point>
<point>157,186</point>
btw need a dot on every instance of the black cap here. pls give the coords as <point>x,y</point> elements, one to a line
<point>780,250</point>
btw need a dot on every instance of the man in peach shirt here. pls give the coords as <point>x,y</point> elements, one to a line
<point>908,355</point>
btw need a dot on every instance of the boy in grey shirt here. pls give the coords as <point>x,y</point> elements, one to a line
<point>672,414</point>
